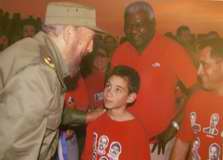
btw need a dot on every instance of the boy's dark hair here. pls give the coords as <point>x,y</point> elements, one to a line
<point>129,73</point>
<point>216,46</point>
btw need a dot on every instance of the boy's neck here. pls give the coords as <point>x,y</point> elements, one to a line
<point>120,115</point>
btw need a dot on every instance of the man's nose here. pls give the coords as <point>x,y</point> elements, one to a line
<point>200,69</point>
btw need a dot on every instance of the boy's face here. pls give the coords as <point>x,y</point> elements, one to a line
<point>116,93</point>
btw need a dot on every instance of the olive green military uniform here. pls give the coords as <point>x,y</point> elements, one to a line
<point>31,99</point>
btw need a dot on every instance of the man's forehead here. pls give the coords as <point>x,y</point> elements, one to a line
<point>207,55</point>
<point>137,15</point>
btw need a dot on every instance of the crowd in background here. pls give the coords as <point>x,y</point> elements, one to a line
<point>191,41</point>
<point>13,27</point>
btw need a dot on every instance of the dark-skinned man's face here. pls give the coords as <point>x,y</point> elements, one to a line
<point>139,29</point>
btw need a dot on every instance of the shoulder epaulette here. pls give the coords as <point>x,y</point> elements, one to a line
<point>46,58</point>
<point>49,62</point>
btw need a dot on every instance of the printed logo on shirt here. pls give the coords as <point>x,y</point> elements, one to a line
<point>195,149</point>
<point>103,158</point>
<point>114,151</point>
<point>212,130</point>
<point>103,142</point>
<point>103,149</point>
<point>214,152</point>
<point>94,147</point>
<point>70,100</point>
<point>193,121</point>
<point>156,65</point>
<point>99,96</point>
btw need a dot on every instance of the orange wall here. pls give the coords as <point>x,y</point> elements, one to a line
<point>200,15</point>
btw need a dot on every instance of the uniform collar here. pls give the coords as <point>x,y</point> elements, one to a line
<point>50,51</point>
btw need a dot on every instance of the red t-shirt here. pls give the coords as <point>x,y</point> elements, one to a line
<point>95,86</point>
<point>114,140</point>
<point>159,67</point>
<point>203,125</point>
<point>77,98</point>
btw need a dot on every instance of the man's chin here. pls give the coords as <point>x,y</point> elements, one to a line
<point>74,72</point>
<point>138,46</point>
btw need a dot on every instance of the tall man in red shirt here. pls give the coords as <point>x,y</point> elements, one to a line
<point>160,63</point>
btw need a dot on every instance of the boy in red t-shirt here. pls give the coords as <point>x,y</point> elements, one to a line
<point>200,136</point>
<point>117,135</point>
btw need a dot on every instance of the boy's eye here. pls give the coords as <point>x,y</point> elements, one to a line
<point>118,90</point>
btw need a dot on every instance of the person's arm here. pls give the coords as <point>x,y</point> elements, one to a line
<point>163,138</point>
<point>180,150</point>
<point>74,117</point>
<point>24,105</point>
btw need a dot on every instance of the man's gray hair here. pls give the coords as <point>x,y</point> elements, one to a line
<point>140,6</point>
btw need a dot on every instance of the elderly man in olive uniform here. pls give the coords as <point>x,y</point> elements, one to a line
<point>32,82</point>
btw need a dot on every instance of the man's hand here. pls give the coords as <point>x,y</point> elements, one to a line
<point>162,139</point>
<point>94,114</point>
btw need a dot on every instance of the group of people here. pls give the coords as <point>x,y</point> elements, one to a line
<point>191,41</point>
<point>13,27</point>
<point>142,78</point>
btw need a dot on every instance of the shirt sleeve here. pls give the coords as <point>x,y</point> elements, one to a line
<point>183,65</point>
<point>24,103</point>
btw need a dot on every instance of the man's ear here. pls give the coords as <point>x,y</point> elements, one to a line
<point>131,97</point>
<point>67,33</point>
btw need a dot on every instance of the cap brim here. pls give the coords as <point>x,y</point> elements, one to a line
<point>96,29</point>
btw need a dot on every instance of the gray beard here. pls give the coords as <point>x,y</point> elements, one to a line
<point>74,69</point>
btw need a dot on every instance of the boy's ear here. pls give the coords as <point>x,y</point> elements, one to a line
<point>131,97</point>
